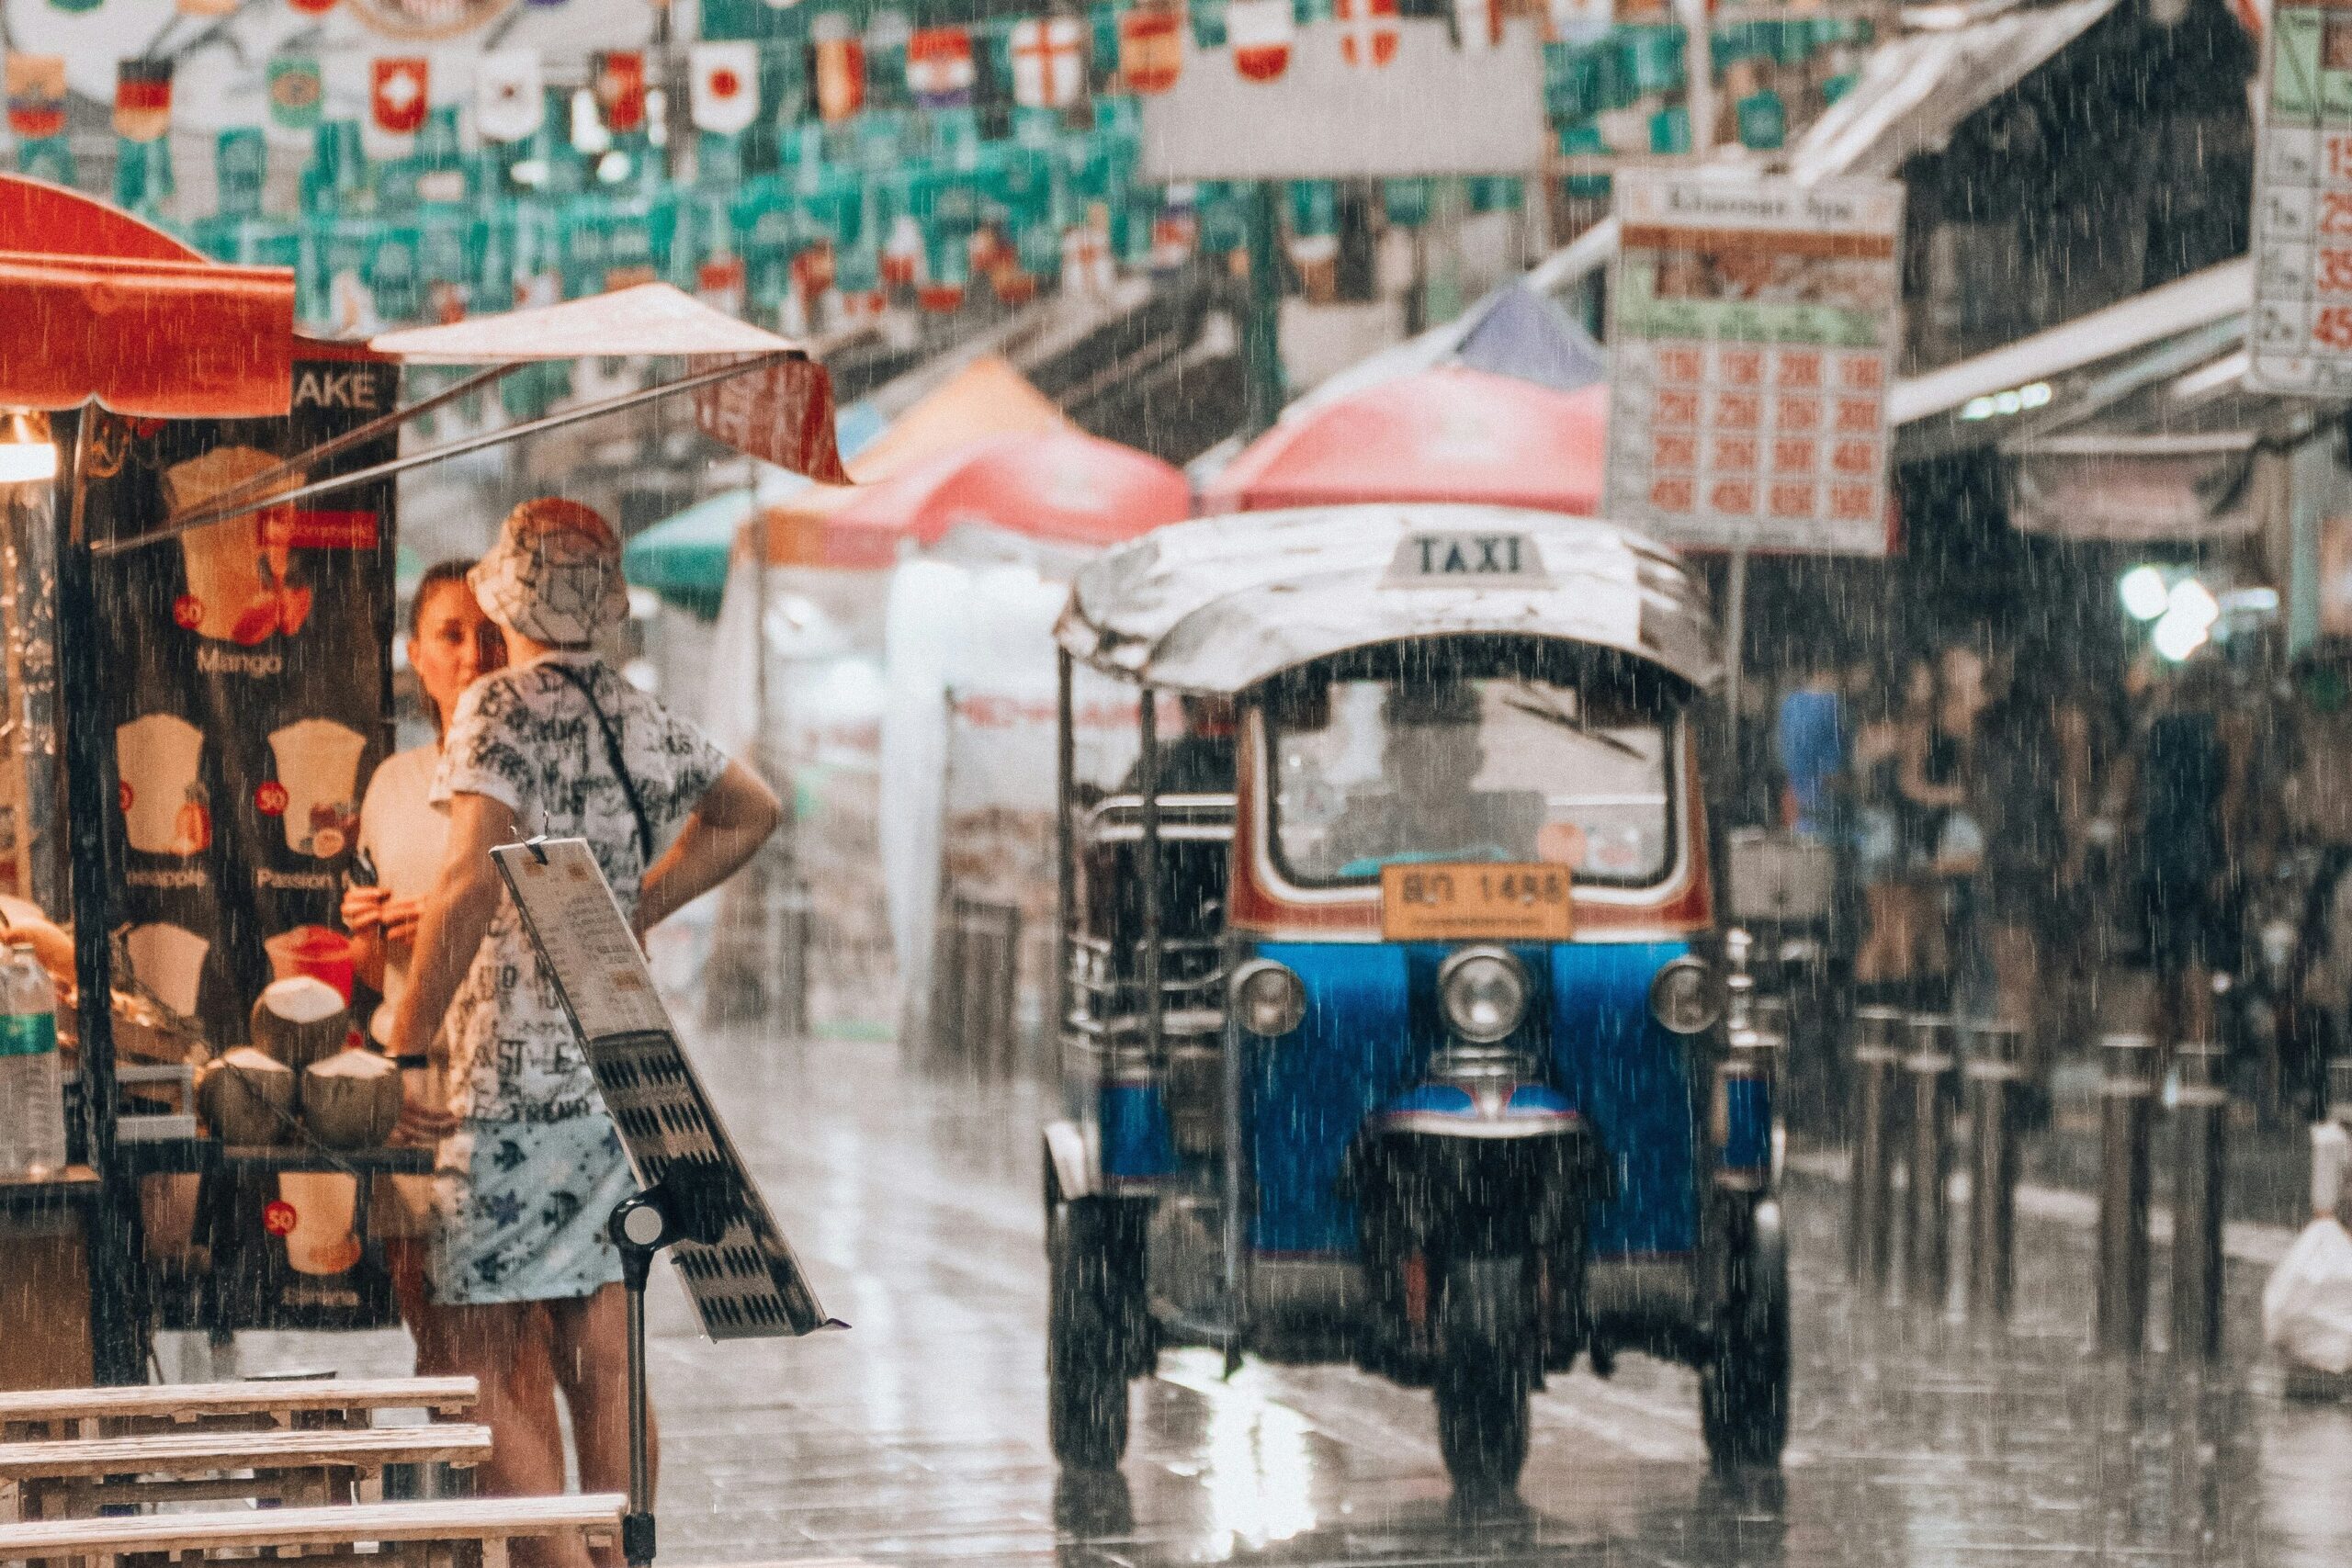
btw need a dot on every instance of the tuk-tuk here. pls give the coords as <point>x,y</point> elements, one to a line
<point>1393,1022</point>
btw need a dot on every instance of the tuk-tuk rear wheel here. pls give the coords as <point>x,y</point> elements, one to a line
<point>1486,1333</point>
<point>1089,1323</point>
<point>1744,1387</point>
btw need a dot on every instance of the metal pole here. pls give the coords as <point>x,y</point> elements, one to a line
<point>2202,1115</point>
<point>1699,73</point>
<point>1926,1239</point>
<point>118,1293</point>
<point>2128,1104</point>
<point>1995,1068</point>
<point>1735,643</point>
<point>1261,324</point>
<point>1148,780</point>
<point>1065,890</point>
<point>1870,1213</point>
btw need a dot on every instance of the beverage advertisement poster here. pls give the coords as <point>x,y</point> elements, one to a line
<point>1757,329</point>
<point>2302,205</point>
<point>247,690</point>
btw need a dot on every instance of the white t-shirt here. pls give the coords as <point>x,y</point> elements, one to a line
<point>405,836</point>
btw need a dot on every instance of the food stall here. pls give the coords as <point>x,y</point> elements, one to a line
<point>196,604</point>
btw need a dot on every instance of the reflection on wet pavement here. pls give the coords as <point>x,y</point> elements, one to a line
<point>918,1435</point>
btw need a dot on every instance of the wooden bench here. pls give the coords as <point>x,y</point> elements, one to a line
<point>469,1533</point>
<point>78,1476</point>
<point>317,1402</point>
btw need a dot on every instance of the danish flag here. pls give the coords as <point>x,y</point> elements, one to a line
<point>1368,35</point>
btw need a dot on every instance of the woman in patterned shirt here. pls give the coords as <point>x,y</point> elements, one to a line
<point>530,1167</point>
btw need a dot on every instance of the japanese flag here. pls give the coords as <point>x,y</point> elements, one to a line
<point>1048,63</point>
<point>1260,33</point>
<point>509,99</point>
<point>1367,31</point>
<point>725,97</point>
<point>1478,24</point>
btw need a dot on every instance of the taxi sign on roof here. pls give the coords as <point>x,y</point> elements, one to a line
<point>1453,558</point>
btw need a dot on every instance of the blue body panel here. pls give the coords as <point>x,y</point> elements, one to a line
<point>1371,1023</point>
<point>1138,1143</point>
<point>1747,1123</point>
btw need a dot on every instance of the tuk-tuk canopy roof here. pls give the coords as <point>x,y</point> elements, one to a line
<point>1218,605</point>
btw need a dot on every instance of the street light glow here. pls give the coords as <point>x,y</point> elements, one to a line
<point>2144,592</point>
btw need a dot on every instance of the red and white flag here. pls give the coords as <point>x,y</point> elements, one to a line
<point>509,99</point>
<point>902,254</point>
<point>1048,63</point>
<point>725,95</point>
<point>1368,35</point>
<point>1478,24</point>
<point>1151,48</point>
<point>940,72</point>
<point>396,92</point>
<point>620,89</point>
<point>840,57</point>
<point>312,7</point>
<point>1260,32</point>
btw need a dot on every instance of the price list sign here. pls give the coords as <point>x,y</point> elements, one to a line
<point>1756,332</point>
<point>2302,205</point>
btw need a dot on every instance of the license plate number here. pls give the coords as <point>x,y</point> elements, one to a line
<point>1475,903</point>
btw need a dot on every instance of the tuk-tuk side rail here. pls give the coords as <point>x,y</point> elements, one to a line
<point>1176,1024</point>
<point>1183,819</point>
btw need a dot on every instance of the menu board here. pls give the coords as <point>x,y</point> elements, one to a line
<point>1756,329</point>
<point>248,688</point>
<point>2302,205</point>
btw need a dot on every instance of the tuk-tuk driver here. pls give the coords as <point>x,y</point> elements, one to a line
<point>1425,804</point>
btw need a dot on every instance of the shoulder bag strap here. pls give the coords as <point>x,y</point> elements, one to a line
<point>612,755</point>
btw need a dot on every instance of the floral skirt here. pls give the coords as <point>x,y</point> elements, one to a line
<point>522,1207</point>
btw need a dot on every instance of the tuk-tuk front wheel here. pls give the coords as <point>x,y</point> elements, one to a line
<point>1094,1321</point>
<point>1487,1339</point>
<point>1744,1387</point>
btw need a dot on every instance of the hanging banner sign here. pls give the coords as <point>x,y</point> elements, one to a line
<point>2302,205</point>
<point>1757,327</point>
<point>251,700</point>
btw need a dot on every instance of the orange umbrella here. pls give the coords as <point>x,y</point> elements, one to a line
<point>1060,486</point>
<point>1448,434</point>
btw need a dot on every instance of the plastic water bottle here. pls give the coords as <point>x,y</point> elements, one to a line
<point>32,1104</point>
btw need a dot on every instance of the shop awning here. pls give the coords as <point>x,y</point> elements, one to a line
<point>95,304</point>
<point>2085,364</point>
<point>1056,487</point>
<point>1915,90</point>
<point>652,318</point>
<point>1446,435</point>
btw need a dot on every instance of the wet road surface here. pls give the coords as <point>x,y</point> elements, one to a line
<point>918,1435</point>
<point>1918,1439</point>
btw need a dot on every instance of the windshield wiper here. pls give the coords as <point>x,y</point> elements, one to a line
<point>1538,708</point>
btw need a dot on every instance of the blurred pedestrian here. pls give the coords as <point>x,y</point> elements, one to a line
<point>530,1165</point>
<point>1889,712</point>
<point>1809,739</point>
<point>1947,845</point>
<point>402,840</point>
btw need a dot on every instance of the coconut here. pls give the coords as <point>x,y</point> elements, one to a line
<point>301,1019</point>
<point>352,1099</point>
<point>247,1097</point>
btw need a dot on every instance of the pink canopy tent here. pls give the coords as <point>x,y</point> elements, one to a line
<point>1444,435</point>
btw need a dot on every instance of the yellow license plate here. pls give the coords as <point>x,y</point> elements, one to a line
<point>1475,903</point>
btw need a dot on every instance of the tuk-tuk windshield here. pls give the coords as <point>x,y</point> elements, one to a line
<point>1370,772</point>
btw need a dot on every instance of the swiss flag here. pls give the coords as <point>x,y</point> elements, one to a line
<point>1367,31</point>
<point>1048,63</point>
<point>1260,33</point>
<point>396,92</point>
<point>1151,48</point>
<point>940,72</point>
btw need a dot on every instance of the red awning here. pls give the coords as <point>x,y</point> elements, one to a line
<point>1062,487</point>
<point>1444,434</point>
<point>95,304</point>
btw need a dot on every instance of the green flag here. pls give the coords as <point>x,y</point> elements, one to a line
<point>296,92</point>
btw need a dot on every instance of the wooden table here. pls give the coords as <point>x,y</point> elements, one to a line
<point>79,1477</point>
<point>469,1533</point>
<point>313,1402</point>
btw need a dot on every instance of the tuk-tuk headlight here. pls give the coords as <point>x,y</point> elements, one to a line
<point>1269,999</point>
<point>1483,993</point>
<point>1684,997</point>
